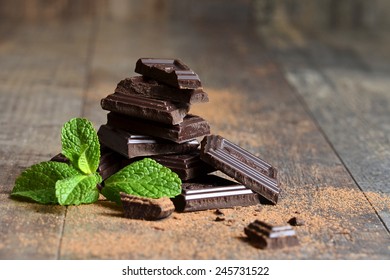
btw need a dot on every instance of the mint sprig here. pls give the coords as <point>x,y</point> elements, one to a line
<point>38,181</point>
<point>66,184</point>
<point>80,144</point>
<point>76,183</point>
<point>145,178</point>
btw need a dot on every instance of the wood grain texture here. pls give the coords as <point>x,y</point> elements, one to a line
<point>349,98</point>
<point>42,78</point>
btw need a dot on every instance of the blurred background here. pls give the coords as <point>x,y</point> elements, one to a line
<point>310,15</point>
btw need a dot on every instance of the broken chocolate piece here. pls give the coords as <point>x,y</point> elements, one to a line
<point>172,72</point>
<point>213,192</point>
<point>143,86</point>
<point>143,208</point>
<point>132,145</point>
<point>241,165</point>
<point>192,127</point>
<point>145,108</point>
<point>188,166</point>
<point>265,236</point>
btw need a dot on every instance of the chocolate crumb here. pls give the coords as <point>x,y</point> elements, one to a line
<point>159,228</point>
<point>219,212</point>
<point>295,221</point>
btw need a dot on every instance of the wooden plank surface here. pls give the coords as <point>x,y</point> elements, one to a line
<point>251,103</point>
<point>42,74</point>
<point>347,92</point>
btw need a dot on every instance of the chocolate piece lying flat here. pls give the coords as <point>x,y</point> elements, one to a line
<point>131,145</point>
<point>192,127</point>
<point>145,108</point>
<point>265,236</point>
<point>241,165</point>
<point>143,86</point>
<point>143,208</point>
<point>213,192</point>
<point>172,72</point>
<point>187,166</point>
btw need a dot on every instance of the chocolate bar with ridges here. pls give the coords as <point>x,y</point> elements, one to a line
<point>133,145</point>
<point>213,192</point>
<point>241,165</point>
<point>192,127</point>
<point>142,86</point>
<point>266,236</point>
<point>172,72</point>
<point>188,166</point>
<point>145,108</point>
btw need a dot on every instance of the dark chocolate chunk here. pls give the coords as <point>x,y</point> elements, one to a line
<point>241,165</point>
<point>143,86</point>
<point>145,108</point>
<point>143,208</point>
<point>132,145</point>
<point>192,127</point>
<point>265,236</point>
<point>187,166</point>
<point>172,72</point>
<point>213,192</point>
<point>110,162</point>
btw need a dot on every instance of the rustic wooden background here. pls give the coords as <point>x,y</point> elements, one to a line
<point>303,84</point>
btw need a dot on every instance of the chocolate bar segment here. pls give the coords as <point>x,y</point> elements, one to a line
<point>145,108</point>
<point>172,72</point>
<point>192,127</point>
<point>187,166</point>
<point>266,236</point>
<point>143,208</point>
<point>241,165</point>
<point>133,145</point>
<point>139,85</point>
<point>110,162</point>
<point>213,192</point>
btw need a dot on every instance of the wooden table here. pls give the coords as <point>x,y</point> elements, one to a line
<point>317,109</point>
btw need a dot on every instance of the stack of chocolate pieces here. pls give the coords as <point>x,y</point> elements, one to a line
<point>149,117</point>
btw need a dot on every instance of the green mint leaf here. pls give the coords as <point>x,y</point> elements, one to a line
<point>145,178</point>
<point>78,189</point>
<point>80,144</point>
<point>38,181</point>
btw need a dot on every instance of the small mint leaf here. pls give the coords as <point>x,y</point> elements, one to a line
<point>80,144</point>
<point>78,189</point>
<point>145,178</point>
<point>38,181</point>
